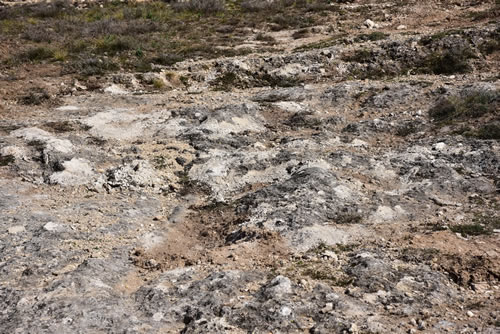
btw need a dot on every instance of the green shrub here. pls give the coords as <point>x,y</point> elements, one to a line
<point>302,33</point>
<point>265,38</point>
<point>6,160</point>
<point>226,82</point>
<point>167,59</point>
<point>360,56</point>
<point>489,131</point>
<point>482,224</point>
<point>112,44</point>
<point>490,46</point>
<point>407,129</point>
<point>447,62</point>
<point>89,66</point>
<point>348,218</point>
<point>158,83</point>
<point>470,229</point>
<point>458,108</point>
<point>374,36</point>
<point>59,126</point>
<point>200,6</point>
<point>37,54</point>
<point>35,97</point>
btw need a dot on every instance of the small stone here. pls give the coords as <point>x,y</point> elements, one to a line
<point>470,314</point>
<point>421,325</point>
<point>401,27</point>
<point>439,146</point>
<point>370,24</point>
<point>280,285</point>
<point>158,316</point>
<point>412,331</point>
<point>330,255</point>
<point>354,329</point>
<point>259,146</point>
<point>16,229</point>
<point>285,311</point>
<point>52,227</point>
<point>152,263</point>
<point>328,307</point>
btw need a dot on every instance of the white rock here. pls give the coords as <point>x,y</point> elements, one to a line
<point>370,24</point>
<point>328,307</point>
<point>470,314</point>
<point>280,285</point>
<point>158,316</point>
<point>439,146</point>
<point>386,213</point>
<point>76,172</point>
<point>16,229</point>
<point>331,255</point>
<point>19,153</point>
<point>115,90</point>
<point>401,27</point>
<point>51,142</point>
<point>260,146</point>
<point>53,227</point>
<point>285,311</point>
<point>68,108</point>
<point>121,124</point>
<point>342,192</point>
<point>359,143</point>
<point>289,106</point>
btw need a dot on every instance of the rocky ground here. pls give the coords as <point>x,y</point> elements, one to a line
<point>346,181</point>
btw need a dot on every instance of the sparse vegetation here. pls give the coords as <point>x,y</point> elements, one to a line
<point>160,162</point>
<point>470,229</point>
<point>322,44</point>
<point>374,36</point>
<point>6,160</point>
<point>302,33</point>
<point>359,56</point>
<point>226,82</point>
<point>348,218</point>
<point>473,104</point>
<point>37,54</point>
<point>133,35</point>
<point>158,83</point>
<point>481,225</point>
<point>490,46</point>
<point>265,38</point>
<point>36,96</point>
<point>199,6</point>
<point>489,131</point>
<point>447,62</point>
<point>407,129</point>
<point>59,126</point>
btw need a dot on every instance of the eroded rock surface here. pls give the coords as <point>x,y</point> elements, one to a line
<point>341,202</point>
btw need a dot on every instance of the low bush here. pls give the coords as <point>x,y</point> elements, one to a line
<point>489,131</point>
<point>35,97</point>
<point>447,62</point>
<point>200,6</point>
<point>89,66</point>
<point>474,104</point>
<point>374,36</point>
<point>6,160</point>
<point>37,54</point>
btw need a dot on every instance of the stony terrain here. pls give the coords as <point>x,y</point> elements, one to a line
<point>345,180</point>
